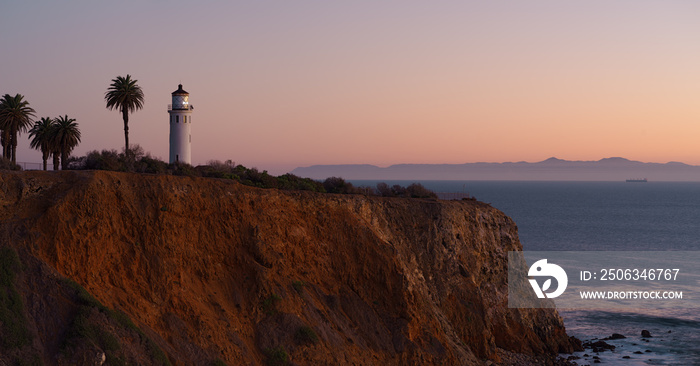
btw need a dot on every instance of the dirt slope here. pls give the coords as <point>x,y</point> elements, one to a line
<point>214,271</point>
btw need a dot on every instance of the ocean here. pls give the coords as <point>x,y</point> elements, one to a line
<point>605,216</point>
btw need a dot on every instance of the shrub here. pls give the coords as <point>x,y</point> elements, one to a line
<point>338,185</point>
<point>298,286</point>
<point>33,360</point>
<point>104,160</point>
<point>85,329</point>
<point>255,178</point>
<point>109,342</point>
<point>292,182</point>
<point>305,335</point>
<point>7,164</point>
<point>276,356</point>
<point>384,190</point>
<point>183,169</point>
<point>13,323</point>
<point>136,161</point>
<point>414,190</point>
<point>123,320</point>
<point>140,162</point>
<point>151,165</point>
<point>217,169</point>
<point>417,190</point>
<point>9,266</point>
<point>398,190</point>
<point>84,297</point>
<point>269,305</point>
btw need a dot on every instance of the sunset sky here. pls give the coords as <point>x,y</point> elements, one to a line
<point>281,84</point>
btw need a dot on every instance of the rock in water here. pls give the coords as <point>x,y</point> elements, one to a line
<point>576,344</point>
<point>614,336</point>
<point>598,346</point>
<point>646,334</point>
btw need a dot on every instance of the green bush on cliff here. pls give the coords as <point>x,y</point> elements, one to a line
<point>140,162</point>
<point>269,305</point>
<point>338,185</point>
<point>298,286</point>
<point>183,169</point>
<point>414,190</point>
<point>417,190</point>
<point>305,335</point>
<point>14,324</point>
<point>84,297</point>
<point>276,356</point>
<point>135,161</point>
<point>104,160</point>
<point>27,360</point>
<point>85,329</point>
<point>151,165</point>
<point>292,182</point>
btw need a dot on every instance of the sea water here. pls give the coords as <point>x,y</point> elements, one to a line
<point>600,216</point>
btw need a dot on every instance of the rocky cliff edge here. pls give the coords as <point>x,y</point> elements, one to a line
<point>119,268</point>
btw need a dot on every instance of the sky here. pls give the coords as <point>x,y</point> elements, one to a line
<point>282,84</point>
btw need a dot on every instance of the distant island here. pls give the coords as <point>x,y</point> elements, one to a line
<point>552,169</point>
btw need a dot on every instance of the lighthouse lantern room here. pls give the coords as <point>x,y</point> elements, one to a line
<point>180,127</point>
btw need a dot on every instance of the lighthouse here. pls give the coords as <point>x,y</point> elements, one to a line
<point>180,127</point>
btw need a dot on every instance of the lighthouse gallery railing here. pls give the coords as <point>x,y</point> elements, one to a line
<point>184,108</point>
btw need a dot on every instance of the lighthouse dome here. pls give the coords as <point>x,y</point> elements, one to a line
<point>180,91</point>
<point>181,98</point>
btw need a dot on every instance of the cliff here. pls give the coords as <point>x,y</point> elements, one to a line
<point>214,272</point>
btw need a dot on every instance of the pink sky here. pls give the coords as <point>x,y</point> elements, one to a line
<point>281,84</point>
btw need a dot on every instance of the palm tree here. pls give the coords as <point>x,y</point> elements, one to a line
<point>64,138</point>
<point>5,141</point>
<point>40,135</point>
<point>56,153</point>
<point>15,117</point>
<point>123,94</point>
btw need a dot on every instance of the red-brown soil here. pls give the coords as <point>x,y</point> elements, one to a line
<point>211,270</point>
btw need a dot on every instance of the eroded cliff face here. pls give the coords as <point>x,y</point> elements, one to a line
<point>211,269</point>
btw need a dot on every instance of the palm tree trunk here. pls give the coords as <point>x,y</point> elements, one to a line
<point>64,160</point>
<point>45,157</point>
<point>13,145</point>
<point>56,159</point>
<point>125,116</point>
<point>4,141</point>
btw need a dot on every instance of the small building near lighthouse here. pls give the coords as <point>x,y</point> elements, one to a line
<point>180,112</point>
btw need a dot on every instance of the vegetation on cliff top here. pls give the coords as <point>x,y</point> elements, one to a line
<point>58,137</point>
<point>139,161</point>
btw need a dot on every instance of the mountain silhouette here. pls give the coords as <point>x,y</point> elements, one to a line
<point>552,169</point>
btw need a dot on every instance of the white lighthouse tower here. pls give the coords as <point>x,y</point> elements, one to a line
<point>180,123</point>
